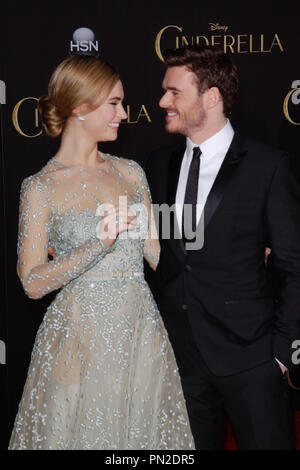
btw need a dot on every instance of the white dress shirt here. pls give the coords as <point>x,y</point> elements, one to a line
<point>213,152</point>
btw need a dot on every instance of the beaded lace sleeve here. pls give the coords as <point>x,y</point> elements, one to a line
<point>38,275</point>
<point>151,249</point>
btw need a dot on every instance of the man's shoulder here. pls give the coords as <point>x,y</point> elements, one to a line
<point>259,152</point>
<point>257,146</point>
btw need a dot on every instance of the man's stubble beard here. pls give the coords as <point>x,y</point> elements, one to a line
<point>189,125</point>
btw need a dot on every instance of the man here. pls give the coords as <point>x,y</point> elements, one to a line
<point>232,340</point>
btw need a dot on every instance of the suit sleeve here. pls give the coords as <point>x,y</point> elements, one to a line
<point>283,215</point>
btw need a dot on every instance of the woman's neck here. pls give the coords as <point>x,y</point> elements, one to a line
<point>76,150</point>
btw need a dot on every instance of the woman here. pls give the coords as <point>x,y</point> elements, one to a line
<point>102,373</point>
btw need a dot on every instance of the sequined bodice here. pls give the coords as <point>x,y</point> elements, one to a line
<point>72,228</point>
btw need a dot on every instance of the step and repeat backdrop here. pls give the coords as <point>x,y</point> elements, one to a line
<point>262,38</point>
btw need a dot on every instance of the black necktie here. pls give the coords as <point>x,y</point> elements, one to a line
<point>191,195</point>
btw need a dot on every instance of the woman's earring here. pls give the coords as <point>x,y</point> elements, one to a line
<point>80,117</point>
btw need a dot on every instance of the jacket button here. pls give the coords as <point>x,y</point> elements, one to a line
<point>188,268</point>
<point>184,307</point>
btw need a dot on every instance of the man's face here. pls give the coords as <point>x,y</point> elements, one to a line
<point>182,102</point>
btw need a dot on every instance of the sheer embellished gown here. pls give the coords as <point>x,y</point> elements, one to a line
<point>102,373</point>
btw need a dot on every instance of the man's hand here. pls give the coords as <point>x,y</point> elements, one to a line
<point>51,252</point>
<point>283,369</point>
<point>267,252</point>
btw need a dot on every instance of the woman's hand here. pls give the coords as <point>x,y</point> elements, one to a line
<point>115,219</point>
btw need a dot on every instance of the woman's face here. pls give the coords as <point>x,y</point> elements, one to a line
<point>102,124</point>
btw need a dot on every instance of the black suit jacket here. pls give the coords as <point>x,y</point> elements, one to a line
<point>224,291</point>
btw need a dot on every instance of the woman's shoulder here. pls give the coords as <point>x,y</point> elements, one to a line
<point>32,182</point>
<point>40,180</point>
<point>129,166</point>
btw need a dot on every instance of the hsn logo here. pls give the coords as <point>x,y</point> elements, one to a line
<point>84,42</point>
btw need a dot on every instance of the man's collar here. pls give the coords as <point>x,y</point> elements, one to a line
<point>216,143</point>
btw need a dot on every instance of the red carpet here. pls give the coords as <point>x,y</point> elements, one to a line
<point>230,442</point>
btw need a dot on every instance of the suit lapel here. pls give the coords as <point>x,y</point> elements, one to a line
<point>228,169</point>
<point>173,173</point>
<point>173,177</point>
<point>234,156</point>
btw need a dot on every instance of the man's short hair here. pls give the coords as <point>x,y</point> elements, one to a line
<point>212,68</point>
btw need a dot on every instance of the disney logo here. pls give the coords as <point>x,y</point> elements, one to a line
<point>217,27</point>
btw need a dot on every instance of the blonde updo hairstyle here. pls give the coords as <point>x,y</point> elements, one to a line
<point>78,80</point>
